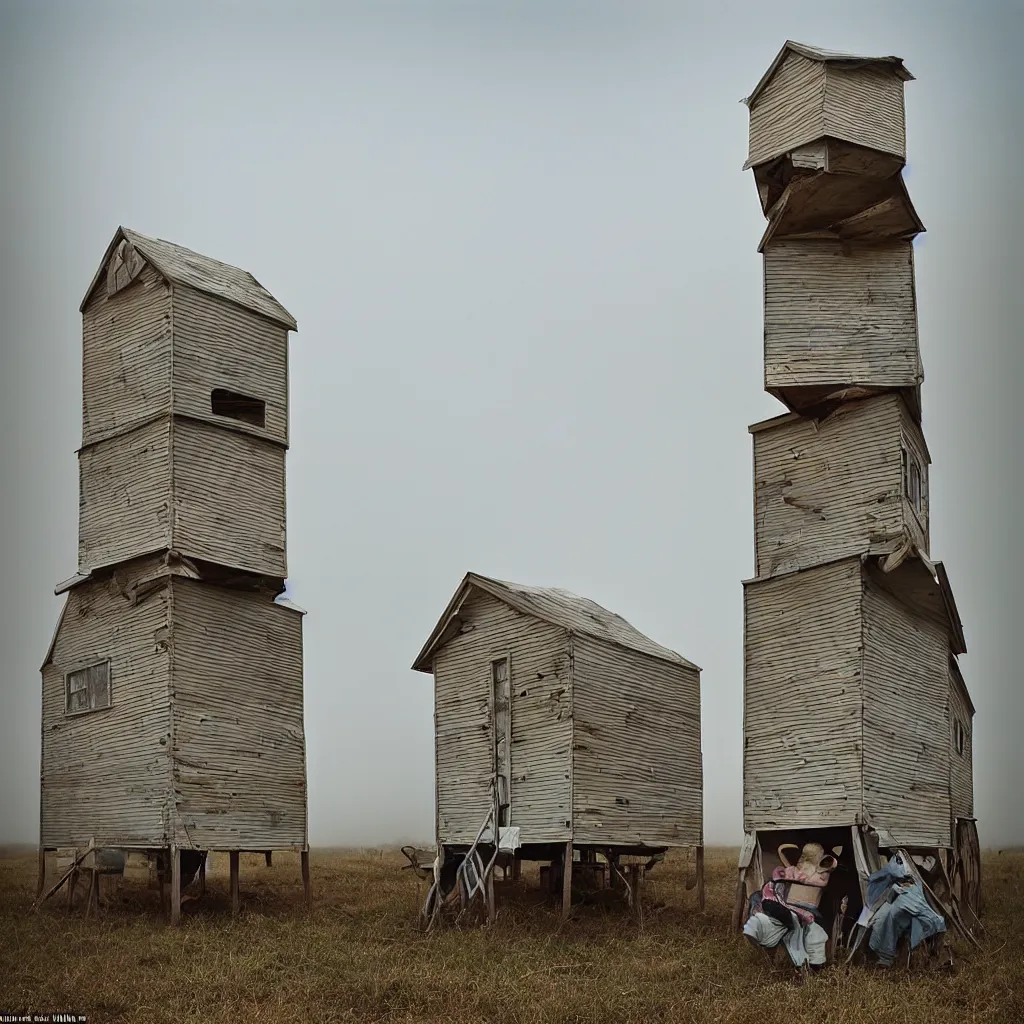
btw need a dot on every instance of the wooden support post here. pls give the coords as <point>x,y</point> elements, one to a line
<point>202,874</point>
<point>175,885</point>
<point>72,884</point>
<point>41,881</point>
<point>517,868</point>
<point>307,891</point>
<point>567,881</point>
<point>491,913</point>
<point>92,897</point>
<point>233,861</point>
<point>700,878</point>
<point>634,886</point>
<point>741,898</point>
<point>268,855</point>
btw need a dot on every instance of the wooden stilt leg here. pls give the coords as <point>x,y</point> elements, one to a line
<point>567,881</point>
<point>41,881</point>
<point>175,885</point>
<point>700,877</point>
<point>307,891</point>
<point>268,855</point>
<point>741,896</point>
<point>72,884</point>
<point>233,860</point>
<point>517,869</point>
<point>490,898</point>
<point>202,874</point>
<point>92,895</point>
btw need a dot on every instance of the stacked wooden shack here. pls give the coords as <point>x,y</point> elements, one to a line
<point>563,735</point>
<point>172,717</point>
<point>857,721</point>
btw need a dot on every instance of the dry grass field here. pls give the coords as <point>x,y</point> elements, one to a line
<point>361,957</point>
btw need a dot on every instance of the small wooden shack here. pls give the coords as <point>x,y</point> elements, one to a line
<point>172,689</point>
<point>573,730</point>
<point>857,721</point>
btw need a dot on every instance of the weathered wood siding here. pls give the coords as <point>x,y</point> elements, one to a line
<point>865,105</point>
<point>541,723</point>
<point>906,724</point>
<point>124,496</point>
<point>824,490</point>
<point>802,698</point>
<point>126,355</point>
<point>106,773</point>
<point>961,776</point>
<point>237,734</point>
<point>637,772</point>
<point>840,318</point>
<point>789,111</point>
<point>218,344</point>
<point>229,497</point>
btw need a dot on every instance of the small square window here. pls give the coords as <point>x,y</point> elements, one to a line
<point>87,689</point>
<point>243,408</point>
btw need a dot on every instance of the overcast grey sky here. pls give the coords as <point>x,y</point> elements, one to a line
<point>522,255</point>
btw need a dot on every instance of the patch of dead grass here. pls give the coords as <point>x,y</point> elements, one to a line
<point>361,957</point>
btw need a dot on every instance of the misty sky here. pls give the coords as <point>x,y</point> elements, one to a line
<point>522,255</point>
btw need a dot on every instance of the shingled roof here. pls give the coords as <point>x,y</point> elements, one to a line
<point>553,605</point>
<point>183,266</point>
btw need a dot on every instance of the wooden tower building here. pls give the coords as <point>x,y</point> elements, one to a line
<point>172,689</point>
<point>857,721</point>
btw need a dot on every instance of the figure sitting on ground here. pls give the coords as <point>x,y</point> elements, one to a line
<point>786,908</point>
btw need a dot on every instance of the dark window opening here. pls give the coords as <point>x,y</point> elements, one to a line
<point>87,689</point>
<point>960,738</point>
<point>238,407</point>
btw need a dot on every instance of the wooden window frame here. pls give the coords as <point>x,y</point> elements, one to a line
<point>75,713</point>
<point>911,458</point>
<point>959,738</point>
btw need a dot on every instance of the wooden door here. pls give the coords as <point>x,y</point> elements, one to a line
<point>501,696</point>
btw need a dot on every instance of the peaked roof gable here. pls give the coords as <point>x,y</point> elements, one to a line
<point>816,53</point>
<point>183,266</point>
<point>549,604</point>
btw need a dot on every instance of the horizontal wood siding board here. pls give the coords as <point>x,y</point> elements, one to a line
<point>961,764</point>
<point>229,498</point>
<point>790,109</point>
<point>218,344</point>
<point>865,106</point>
<point>105,773</point>
<point>124,496</point>
<point>829,489</point>
<point>238,716</point>
<point>840,318</point>
<point>906,725</point>
<point>126,356</point>
<point>541,723</point>
<point>802,699</point>
<point>637,766</point>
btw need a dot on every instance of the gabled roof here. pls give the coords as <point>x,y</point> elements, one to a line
<point>826,57</point>
<point>549,604</point>
<point>183,266</point>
